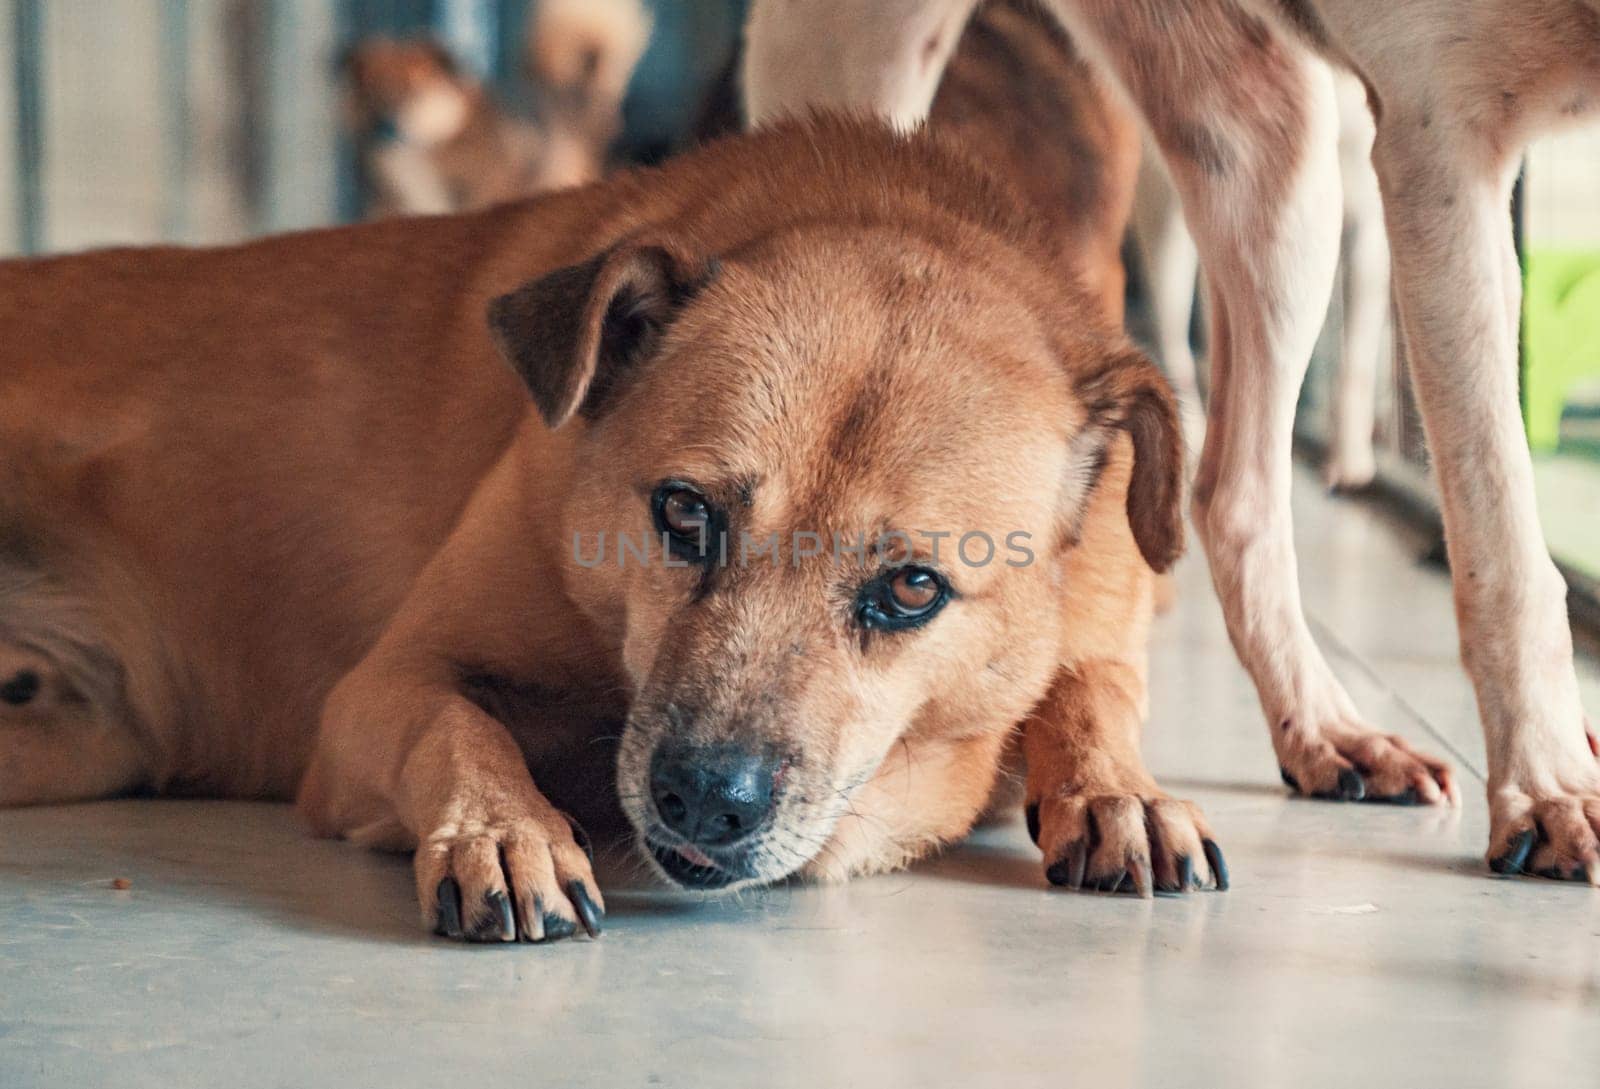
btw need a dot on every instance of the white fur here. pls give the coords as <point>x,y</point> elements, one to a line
<point>887,56</point>
<point>1444,165</point>
<point>1170,262</point>
<point>433,115</point>
<point>617,30</point>
<point>1362,335</point>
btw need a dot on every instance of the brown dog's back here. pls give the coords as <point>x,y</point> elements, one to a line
<point>258,445</point>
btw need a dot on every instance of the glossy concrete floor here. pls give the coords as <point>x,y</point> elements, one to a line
<point>1359,946</point>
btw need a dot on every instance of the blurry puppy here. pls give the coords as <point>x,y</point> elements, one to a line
<point>431,138</point>
<point>434,140</point>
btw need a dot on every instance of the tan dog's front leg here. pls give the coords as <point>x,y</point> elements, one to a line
<point>1092,808</point>
<point>495,861</point>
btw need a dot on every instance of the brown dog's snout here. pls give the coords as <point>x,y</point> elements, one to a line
<point>713,796</point>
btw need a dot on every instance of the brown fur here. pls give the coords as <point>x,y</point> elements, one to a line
<point>1018,98</point>
<point>233,477</point>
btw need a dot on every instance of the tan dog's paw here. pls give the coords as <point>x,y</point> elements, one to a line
<point>1555,834</point>
<point>1354,763</point>
<point>508,881</point>
<point>1126,843</point>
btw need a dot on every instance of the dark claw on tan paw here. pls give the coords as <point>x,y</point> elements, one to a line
<point>1219,865</point>
<point>495,922</point>
<point>589,913</point>
<point>1067,871</point>
<point>1515,856</point>
<point>448,895</point>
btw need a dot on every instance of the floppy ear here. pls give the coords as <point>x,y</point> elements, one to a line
<point>574,334</point>
<point>1128,393</point>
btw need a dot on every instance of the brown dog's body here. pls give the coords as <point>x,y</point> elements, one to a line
<point>229,478</point>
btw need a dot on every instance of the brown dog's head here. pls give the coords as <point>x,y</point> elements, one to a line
<point>822,485</point>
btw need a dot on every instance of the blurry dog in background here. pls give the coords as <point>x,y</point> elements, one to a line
<point>433,139</point>
<point>580,55</point>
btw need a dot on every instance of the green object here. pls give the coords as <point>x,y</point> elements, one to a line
<point>1561,336</point>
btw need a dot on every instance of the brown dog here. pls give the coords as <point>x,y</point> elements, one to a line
<point>230,477</point>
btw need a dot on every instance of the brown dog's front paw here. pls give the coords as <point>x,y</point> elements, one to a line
<point>512,881</point>
<point>1126,843</point>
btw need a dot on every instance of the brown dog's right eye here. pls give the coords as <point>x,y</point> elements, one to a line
<point>905,597</point>
<point>687,518</point>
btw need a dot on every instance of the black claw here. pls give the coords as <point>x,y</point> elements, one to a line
<point>1219,865</point>
<point>1409,796</point>
<point>494,921</point>
<point>556,927</point>
<point>1031,815</point>
<point>580,836</point>
<point>1289,780</point>
<point>589,912</point>
<point>1352,788</point>
<point>1077,864</point>
<point>1515,856</point>
<point>1185,874</point>
<point>1068,869</point>
<point>448,896</point>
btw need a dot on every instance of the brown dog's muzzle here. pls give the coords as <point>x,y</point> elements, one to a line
<point>711,805</point>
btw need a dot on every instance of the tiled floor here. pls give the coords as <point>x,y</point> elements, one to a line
<point>1359,946</point>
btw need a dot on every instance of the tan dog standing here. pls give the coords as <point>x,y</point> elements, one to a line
<point>230,478</point>
<point>1244,112</point>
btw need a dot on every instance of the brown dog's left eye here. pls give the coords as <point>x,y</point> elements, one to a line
<point>903,598</point>
<point>687,518</point>
<point>915,589</point>
<point>684,513</point>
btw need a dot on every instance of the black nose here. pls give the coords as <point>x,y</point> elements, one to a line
<point>712,796</point>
